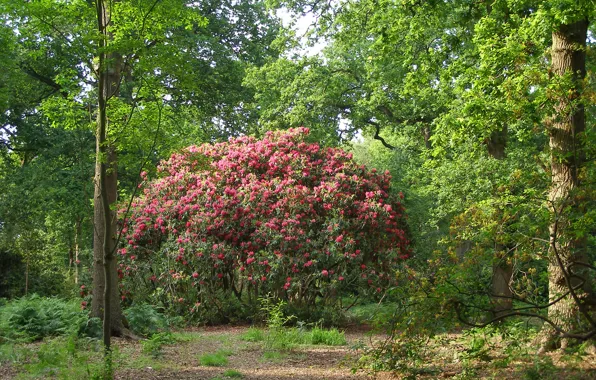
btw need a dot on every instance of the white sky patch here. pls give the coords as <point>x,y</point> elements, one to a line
<point>302,24</point>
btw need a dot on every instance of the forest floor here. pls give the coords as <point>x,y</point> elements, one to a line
<point>457,356</point>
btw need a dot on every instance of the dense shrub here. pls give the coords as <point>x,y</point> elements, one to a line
<point>252,217</point>
<point>144,319</point>
<point>33,317</point>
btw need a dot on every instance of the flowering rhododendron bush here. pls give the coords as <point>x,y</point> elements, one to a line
<point>250,217</point>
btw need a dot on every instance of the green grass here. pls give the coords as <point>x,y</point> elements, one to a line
<point>217,359</point>
<point>12,353</point>
<point>66,358</point>
<point>332,337</point>
<point>370,312</point>
<point>283,339</point>
<point>232,373</point>
<point>274,356</point>
<point>153,345</point>
<point>144,361</point>
<point>253,334</point>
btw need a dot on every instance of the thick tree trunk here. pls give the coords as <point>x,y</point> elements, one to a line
<point>565,129</point>
<point>106,300</point>
<point>501,289</point>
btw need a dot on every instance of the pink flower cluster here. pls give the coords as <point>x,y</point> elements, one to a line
<point>278,213</point>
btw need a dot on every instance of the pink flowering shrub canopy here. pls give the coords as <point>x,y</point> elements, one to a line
<point>278,215</point>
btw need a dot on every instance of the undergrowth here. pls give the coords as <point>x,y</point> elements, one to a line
<point>279,337</point>
<point>217,359</point>
<point>33,317</point>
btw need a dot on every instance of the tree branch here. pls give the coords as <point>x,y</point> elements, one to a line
<point>43,79</point>
<point>377,136</point>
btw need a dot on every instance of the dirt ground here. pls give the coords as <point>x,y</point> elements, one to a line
<point>309,362</point>
<point>446,357</point>
<point>443,359</point>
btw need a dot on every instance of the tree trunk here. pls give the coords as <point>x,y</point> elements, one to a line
<point>77,249</point>
<point>106,300</point>
<point>27,275</point>
<point>565,129</point>
<point>427,134</point>
<point>502,296</point>
<point>501,289</point>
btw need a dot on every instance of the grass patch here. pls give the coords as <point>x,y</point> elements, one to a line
<point>68,358</point>
<point>273,356</point>
<point>217,359</point>
<point>370,312</point>
<point>143,361</point>
<point>283,339</point>
<point>253,334</point>
<point>12,353</point>
<point>332,337</point>
<point>232,373</point>
<point>153,345</point>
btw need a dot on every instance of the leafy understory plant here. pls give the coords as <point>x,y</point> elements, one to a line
<point>145,319</point>
<point>278,337</point>
<point>153,345</point>
<point>33,317</point>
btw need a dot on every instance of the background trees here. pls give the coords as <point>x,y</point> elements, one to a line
<point>468,91</point>
<point>158,62</point>
<point>482,112</point>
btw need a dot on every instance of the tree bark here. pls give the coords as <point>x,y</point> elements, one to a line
<point>502,296</point>
<point>106,300</point>
<point>565,129</point>
<point>77,249</point>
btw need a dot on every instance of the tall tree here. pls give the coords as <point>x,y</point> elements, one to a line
<point>566,129</point>
<point>475,74</point>
<point>165,78</point>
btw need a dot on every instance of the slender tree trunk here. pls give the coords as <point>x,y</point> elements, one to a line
<point>502,269</point>
<point>27,276</point>
<point>77,248</point>
<point>565,129</point>
<point>106,301</point>
<point>427,134</point>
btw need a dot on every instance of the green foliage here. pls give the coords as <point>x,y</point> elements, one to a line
<point>274,356</point>
<point>217,359</point>
<point>372,312</point>
<point>332,337</point>
<point>12,353</point>
<point>232,373</point>
<point>253,334</point>
<point>69,358</point>
<point>274,312</point>
<point>154,344</point>
<point>33,317</point>
<point>145,319</point>
<point>542,368</point>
